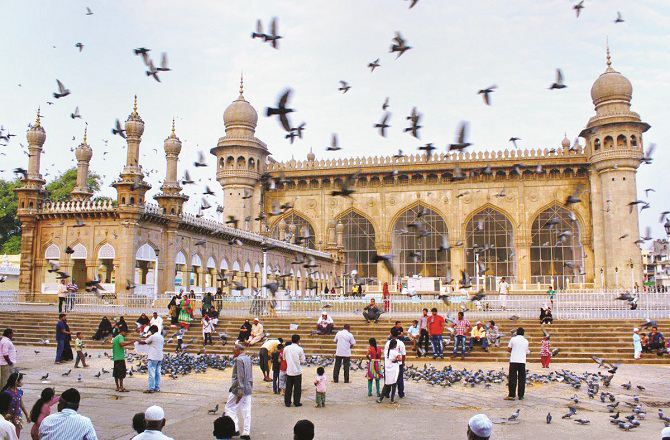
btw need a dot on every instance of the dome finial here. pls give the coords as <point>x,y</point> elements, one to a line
<point>37,121</point>
<point>85,132</point>
<point>609,61</point>
<point>173,127</point>
<point>241,84</point>
<point>135,106</point>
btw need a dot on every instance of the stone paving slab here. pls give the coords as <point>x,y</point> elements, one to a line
<point>427,412</point>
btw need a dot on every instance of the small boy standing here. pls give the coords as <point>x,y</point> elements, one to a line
<point>180,340</point>
<point>283,366</point>
<point>545,352</point>
<point>276,365</point>
<point>320,383</point>
<point>79,347</point>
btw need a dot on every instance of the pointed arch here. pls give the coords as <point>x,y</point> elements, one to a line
<point>106,252</point>
<point>359,243</point>
<point>146,252</point>
<point>300,220</point>
<point>556,251</point>
<point>196,260</point>
<point>52,252</point>
<point>489,241</point>
<point>420,204</point>
<point>418,248</point>
<point>257,268</point>
<point>180,258</point>
<point>247,267</point>
<point>375,225</point>
<point>224,264</point>
<point>236,266</point>
<point>80,252</point>
<point>211,263</point>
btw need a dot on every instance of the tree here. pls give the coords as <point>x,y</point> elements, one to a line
<point>60,190</point>
<point>10,226</point>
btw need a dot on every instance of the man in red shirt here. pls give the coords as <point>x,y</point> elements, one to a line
<point>435,330</point>
<point>462,328</point>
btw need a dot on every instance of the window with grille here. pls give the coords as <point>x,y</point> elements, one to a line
<point>490,240</point>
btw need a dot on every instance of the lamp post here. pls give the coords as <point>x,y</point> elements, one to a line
<point>153,303</point>
<point>264,275</point>
<point>616,277</point>
<point>632,276</point>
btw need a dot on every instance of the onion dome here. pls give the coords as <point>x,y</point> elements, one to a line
<point>84,152</point>
<point>134,124</point>
<point>240,114</point>
<point>172,144</point>
<point>311,156</point>
<point>565,143</point>
<point>36,134</point>
<point>611,86</point>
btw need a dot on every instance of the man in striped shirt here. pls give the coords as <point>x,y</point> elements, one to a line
<point>461,329</point>
<point>67,424</point>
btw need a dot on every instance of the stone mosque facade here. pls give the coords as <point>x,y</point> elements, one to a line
<point>491,214</point>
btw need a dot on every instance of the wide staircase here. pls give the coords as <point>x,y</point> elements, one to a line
<point>577,340</point>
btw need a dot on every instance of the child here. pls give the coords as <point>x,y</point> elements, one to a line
<point>16,409</point>
<point>374,371</point>
<point>276,364</point>
<point>283,366</point>
<point>41,409</point>
<point>545,352</point>
<point>320,383</point>
<point>180,340</point>
<point>79,347</point>
<point>207,329</point>
<point>637,347</point>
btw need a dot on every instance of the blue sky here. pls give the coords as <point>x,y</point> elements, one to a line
<point>458,48</point>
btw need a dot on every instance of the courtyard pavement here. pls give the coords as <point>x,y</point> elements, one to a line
<point>427,412</point>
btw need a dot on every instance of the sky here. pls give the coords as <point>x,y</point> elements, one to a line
<point>457,49</point>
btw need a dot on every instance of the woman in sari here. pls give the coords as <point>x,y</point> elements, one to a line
<point>186,312</point>
<point>386,296</point>
<point>173,307</point>
<point>374,370</point>
<point>104,329</point>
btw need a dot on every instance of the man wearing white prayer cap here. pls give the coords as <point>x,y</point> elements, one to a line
<point>479,427</point>
<point>665,434</point>
<point>154,421</point>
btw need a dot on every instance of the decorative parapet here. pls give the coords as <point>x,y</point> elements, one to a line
<point>152,208</point>
<point>219,228</point>
<point>78,206</point>
<point>414,159</point>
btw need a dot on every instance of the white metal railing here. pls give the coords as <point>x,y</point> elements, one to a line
<point>566,305</point>
<point>9,300</point>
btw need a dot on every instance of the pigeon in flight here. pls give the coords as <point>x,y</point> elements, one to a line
<point>62,91</point>
<point>486,93</point>
<point>578,7</point>
<point>559,81</point>
<point>373,65</point>
<point>118,130</point>
<point>80,46</point>
<point>88,11</point>
<point>282,110</point>
<point>383,125</point>
<point>333,144</point>
<point>344,87</point>
<point>273,37</point>
<point>461,136</point>
<point>400,45</point>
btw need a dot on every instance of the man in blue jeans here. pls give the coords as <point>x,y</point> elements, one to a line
<point>61,336</point>
<point>435,330</point>
<point>461,329</point>
<point>155,344</point>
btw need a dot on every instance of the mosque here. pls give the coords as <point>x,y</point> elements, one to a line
<point>538,217</point>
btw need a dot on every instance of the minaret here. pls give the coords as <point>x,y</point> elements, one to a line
<point>614,146</point>
<point>31,196</point>
<point>131,186</point>
<point>240,158</point>
<point>171,198</point>
<point>84,153</point>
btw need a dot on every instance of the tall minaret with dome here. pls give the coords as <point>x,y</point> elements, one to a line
<point>240,159</point>
<point>614,147</point>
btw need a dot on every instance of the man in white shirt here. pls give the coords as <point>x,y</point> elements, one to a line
<point>518,348</point>
<point>295,357</point>
<point>503,288</point>
<point>7,356</point>
<point>155,344</point>
<point>66,423</point>
<point>62,294</point>
<point>257,333</point>
<point>154,421</point>
<point>395,333</point>
<point>324,326</point>
<point>7,430</point>
<point>157,321</point>
<point>345,342</point>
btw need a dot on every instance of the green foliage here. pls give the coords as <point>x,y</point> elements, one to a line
<point>60,189</point>
<point>12,246</point>
<point>9,222</point>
